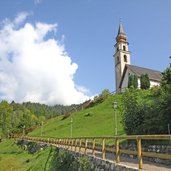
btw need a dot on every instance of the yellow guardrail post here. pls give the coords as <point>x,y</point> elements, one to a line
<point>103,148</point>
<point>117,150</point>
<point>68,143</point>
<point>80,145</point>
<point>93,147</point>
<point>75,145</point>
<point>139,153</point>
<point>72,142</point>
<point>85,152</point>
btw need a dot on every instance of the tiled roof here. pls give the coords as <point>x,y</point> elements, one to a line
<point>153,74</point>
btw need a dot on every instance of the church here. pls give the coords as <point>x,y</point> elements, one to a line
<point>123,67</point>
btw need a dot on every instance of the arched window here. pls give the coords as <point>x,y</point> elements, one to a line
<point>124,48</point>
<point>125,58</point>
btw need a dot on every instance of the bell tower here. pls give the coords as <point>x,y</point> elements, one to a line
<point>121,56</point>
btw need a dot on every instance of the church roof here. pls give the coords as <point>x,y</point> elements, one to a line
<point>152,74</point>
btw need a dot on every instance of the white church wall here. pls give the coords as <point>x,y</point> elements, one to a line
<point>125,81</point>
<point>154,83</point>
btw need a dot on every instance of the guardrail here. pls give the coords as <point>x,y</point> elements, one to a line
<point>90,143</point>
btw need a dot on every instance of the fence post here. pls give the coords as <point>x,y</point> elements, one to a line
<point>103,148</point>
<point>57,142</point>
<point>69,142</point>
<point>93,148</point>
<point>75,145</point>
<point>80,145</point>
<point>72,142</point>
<point>139,152</point>
<point>117,150</point>
<point>85,152</point>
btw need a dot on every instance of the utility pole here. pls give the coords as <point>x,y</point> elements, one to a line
<point>41,129</point>
<point>71,127</point>
<point>115,118</point>
<point>169,131</point>
<point>23,130</point>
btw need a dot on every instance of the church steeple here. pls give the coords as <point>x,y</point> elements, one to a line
<point>120,30</point>
<point>121,35</point>
<point>121,56</point>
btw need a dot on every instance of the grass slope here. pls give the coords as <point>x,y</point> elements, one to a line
<point>14,158</point>
<point>94,121</point>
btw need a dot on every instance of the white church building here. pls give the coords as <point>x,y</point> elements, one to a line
<point>123,67</point>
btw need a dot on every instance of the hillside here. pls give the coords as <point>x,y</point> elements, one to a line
<point>94,121</point>
<point>13,157</point>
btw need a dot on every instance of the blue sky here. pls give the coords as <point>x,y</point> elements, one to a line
<point>87,29</point>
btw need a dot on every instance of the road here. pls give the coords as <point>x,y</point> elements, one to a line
<point>147,165</point>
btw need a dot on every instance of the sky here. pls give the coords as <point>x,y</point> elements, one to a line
<point>61,51</point>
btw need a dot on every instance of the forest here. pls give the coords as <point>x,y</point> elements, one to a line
<point>22,118</point>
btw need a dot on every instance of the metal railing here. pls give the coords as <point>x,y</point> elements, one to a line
<point>94,144</point>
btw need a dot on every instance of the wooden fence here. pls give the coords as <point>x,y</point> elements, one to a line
<point>95,144</point>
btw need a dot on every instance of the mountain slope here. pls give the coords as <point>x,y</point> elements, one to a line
<point>94,121</point>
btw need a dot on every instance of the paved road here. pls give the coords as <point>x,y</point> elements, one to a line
<point>147,165</point>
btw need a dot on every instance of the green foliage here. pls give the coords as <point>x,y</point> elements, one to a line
<point>99,99</point>
<point>83,162</point>
<point>144,81</point>
<point>63,161</point>
<point>133,113</point>
<point>14,117</point>
<point>15,158</point>
<point>93,121</point>
<point>5,118</point>
<point>49,111</point>
<point>148,111</point>
<point>133,81</point>
<point>166,77</point>
<point>130,81</point>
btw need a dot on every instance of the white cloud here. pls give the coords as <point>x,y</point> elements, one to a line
<point>21,18</point>
<point>37,2</point>
<point>34,67</point>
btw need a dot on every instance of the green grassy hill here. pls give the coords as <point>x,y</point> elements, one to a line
<point>94,121</point>
<point>14,158</point>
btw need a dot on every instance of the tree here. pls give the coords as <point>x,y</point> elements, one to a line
<point>130,81</point>
<point>144,81</point>
<point>133,113</point>
<point>133,81</point>
<point>166,77</point>
<point>5,118</point>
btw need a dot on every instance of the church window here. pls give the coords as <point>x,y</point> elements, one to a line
<point>117,48</point>
<point>125,58</point>
<point>124,48</point>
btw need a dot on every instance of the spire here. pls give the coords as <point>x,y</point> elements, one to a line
<point>120,30</point>
<point>121,37</point>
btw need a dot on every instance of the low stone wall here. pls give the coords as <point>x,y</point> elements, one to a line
<point>163,149</point>
<point>97,164</point>
<point>92,163</point>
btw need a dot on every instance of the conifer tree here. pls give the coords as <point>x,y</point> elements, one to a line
<point>145,81</point>
<point>133,81</point>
